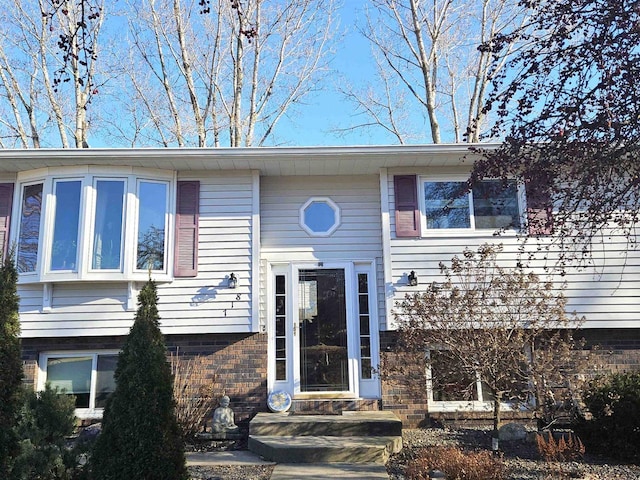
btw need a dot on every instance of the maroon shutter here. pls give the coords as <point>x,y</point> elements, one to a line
<point>6,200</point>
<point>186,251</point>
<point>539,211</point>
<point>407,209</point>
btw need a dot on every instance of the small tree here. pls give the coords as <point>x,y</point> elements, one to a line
<point>140,435</point>
<point>46,420</point>
<point>10,363</point>
<point>505,326</point>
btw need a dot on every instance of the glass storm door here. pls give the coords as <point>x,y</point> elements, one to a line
<point>323,358</point>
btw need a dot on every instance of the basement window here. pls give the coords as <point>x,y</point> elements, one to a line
<point>86,376</point>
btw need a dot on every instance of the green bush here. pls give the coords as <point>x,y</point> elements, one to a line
<point>614,404</point>
<point>46,420</point>
<point>140,436</point>
<point>10,364</point>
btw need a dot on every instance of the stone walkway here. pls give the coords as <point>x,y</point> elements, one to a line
<point>291,471</point>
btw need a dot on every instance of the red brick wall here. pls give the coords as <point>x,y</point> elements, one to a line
<point>405,393</point>
<point>237,363</point>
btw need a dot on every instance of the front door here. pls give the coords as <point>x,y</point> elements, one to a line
<point>323,340</point>
<point>321,324</point>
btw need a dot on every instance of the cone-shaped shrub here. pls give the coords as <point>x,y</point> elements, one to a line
<point>10,364</point>
<point>140,436</point>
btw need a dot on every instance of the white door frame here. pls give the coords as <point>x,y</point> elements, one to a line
<point>370,387</point>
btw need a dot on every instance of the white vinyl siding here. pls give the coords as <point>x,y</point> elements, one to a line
<point>357,238</point>
<point>202,304</point>
<point>606,292</point>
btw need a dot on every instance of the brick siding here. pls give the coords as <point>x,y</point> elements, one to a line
<point>237,363</point>
<point>238,366</point>
<point>405,393</point>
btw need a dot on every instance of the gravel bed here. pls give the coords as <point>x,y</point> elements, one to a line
<point>520,458</point>
<point>231,472</point>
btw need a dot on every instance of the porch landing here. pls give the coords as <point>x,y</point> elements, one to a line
<point>351,438</point>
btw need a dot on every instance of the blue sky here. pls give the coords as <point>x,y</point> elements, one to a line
<point>328,109</point>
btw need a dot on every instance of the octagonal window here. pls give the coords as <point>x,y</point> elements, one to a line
<point>319,216</point>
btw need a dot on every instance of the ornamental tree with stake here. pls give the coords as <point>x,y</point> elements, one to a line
<point>568,107</point>
<point>140,435</point>
<point>503,326</point>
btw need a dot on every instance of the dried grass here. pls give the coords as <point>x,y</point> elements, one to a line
<point>193,392</point>
<point>561,450</point>
<point>456,464</point>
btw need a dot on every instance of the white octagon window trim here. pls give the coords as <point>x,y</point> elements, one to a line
<point>314,216</point>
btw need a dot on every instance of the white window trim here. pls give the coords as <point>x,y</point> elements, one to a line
<point>332,204</point>
<point>88,175</point>
<point>447,406</point>
<point>136,223</point>
<point>471,231</point>
<point>81,413</point>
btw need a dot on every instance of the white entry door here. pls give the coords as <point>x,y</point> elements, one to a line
<point>323,332</point>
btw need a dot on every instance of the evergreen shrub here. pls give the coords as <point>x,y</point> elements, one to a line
<point>614,427</point>
<point>10,364</point>
<point>46,421</point>
<point>140,436</point>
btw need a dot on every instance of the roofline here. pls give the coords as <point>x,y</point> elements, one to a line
<point>340,160</point>
<point>248,152</point>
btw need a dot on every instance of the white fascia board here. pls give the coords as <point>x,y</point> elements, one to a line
<point>268,160</point>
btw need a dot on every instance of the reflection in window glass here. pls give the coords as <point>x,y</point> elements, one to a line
<point>72,376</point>
<point>152,197</point>
<point>29,235</point>
<point>319,217</point>
<point>281,322</point>
<point>446,205</point>
<point>450,380</point>
<point>107,236</point>
<point>495,205</point>
<point>65,231</point>
<point>365,331</point>
<point>105,378</point>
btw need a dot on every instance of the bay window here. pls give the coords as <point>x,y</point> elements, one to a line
<point>107,230</point>
<point>29,234</point>
<point>152,197</point>
<point>64,247</point>
<point>107,225</point>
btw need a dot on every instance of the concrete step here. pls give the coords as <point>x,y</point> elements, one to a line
<point>348,424</point>
<point>325,449</point>
<point>323,471</point>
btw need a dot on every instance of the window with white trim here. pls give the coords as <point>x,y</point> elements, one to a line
<point>87,376</point>
<point>102,226</point>
<point>491,205</point>
<point>319,216</point>
<point>451,387</point>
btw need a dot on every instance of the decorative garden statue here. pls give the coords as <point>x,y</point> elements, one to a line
<point>223,418</point>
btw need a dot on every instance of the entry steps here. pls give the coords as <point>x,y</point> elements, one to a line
<point>351,438</point>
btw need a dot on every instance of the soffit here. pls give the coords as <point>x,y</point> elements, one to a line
<point>270,161</point>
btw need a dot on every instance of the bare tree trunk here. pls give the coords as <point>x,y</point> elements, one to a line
<point>497,419</point>
<point>188,75</point>
<point>430,46</point>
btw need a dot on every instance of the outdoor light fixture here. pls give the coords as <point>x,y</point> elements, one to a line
<point>413,279</point>
<point>233,281</point>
